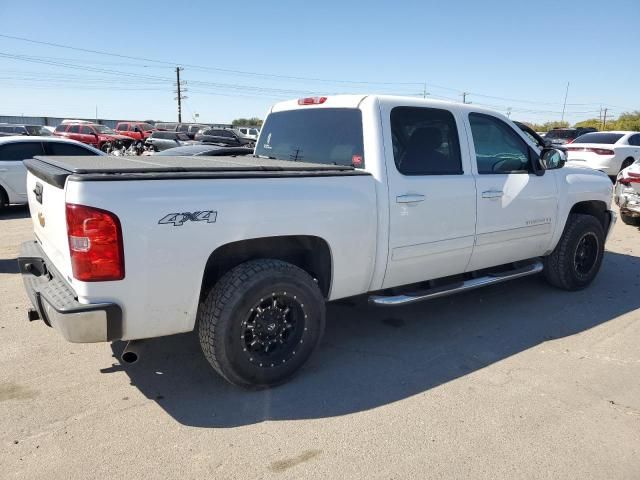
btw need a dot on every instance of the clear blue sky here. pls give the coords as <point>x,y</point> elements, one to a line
<point>523,52</point>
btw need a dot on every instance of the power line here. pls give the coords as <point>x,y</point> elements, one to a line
<point>52,61</point>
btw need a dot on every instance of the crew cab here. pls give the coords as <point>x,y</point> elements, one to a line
<point>401,199</point>
<point>139,131</point>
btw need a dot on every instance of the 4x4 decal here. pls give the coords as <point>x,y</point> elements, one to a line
<point>178,219</point>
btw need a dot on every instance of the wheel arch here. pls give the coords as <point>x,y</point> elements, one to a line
<point>595,208</point>
<point>310,253</point>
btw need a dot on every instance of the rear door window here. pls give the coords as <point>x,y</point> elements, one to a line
<point>20,151</point>
<point>425,141</point>
<point>317,135</point>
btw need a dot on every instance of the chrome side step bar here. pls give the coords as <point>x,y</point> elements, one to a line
<point>405,299</point>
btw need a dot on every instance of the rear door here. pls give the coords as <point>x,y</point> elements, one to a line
<point>517,209</point>
<point>432,197</point>
<point>13,173</point>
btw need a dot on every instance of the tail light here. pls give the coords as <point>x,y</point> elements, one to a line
<point>629,177</point>
<point>312,100</point>
<point>602,151</point>
<point>95,243</point>
<point>599,151</point>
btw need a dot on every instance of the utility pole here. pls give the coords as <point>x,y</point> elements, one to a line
<point>509,112</point>
<point>179,92</point>
<point>564,105</point>
<point>424,91</point>
<point>600,117</point>
<point>464,97</point>
<point>604,119</point>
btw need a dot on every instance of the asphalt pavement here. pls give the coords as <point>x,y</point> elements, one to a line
<point>517,380</point>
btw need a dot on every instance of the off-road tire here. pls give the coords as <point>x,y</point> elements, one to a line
<point>560,268</point>
<point>223,313</point>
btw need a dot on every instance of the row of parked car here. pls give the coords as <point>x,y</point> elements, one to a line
<point>161,136</point>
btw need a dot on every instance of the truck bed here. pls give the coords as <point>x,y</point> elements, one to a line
<point>56,170</point>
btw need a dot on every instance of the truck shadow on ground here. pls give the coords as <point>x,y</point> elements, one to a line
<point>372,356</point>
<point>13,212</point>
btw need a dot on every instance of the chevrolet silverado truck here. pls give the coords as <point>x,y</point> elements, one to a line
<point>400,199</point>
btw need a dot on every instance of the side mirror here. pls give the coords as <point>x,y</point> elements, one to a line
<point>553,158</point>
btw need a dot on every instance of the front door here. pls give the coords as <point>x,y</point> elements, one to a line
<point>517,209</point>
<point>432,198</point>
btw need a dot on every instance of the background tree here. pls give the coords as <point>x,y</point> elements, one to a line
<point>247,122</point>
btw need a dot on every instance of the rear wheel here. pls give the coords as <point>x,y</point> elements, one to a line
<point>576,260</point>
<point>629,220</point>
<point>261,322</point>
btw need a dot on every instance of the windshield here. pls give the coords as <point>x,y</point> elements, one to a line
<point>37,130</point>
<point>599,137</point>
<point>183,136</point>
<point>561,134</point>
<point>103,129</point>
<point>253,131</point>
<point>145,127</point>
<point>318,135</point>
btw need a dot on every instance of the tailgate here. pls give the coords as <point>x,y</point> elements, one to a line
<point>47,206</point>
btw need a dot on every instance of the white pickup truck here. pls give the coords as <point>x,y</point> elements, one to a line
<point>401,199</point>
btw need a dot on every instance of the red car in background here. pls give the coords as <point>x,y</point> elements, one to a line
<point>92,134</point>
<point>136,130</point>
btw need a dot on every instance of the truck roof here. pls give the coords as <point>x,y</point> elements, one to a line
<point>354,101</point>
<point>56,170</point>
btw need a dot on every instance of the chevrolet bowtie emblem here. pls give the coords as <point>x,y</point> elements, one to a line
<point>41,219</point>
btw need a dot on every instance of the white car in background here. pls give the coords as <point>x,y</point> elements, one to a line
<point>627,194</point>
<point>248,132</point>
<point>609,152</point>
<point>15,149</point>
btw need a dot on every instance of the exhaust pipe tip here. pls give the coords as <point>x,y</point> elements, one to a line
<point>129,357</point>
<point>131,353</point>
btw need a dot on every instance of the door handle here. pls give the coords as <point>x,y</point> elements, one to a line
<point>410,198</point>
<point>492,194</point>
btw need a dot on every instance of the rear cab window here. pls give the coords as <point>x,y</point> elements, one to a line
<point>330,136</point>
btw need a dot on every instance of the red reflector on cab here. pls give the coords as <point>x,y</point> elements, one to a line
<point>95,244</point>
<point>312,100</point>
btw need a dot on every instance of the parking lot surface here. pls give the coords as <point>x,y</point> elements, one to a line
<point>513,381</point>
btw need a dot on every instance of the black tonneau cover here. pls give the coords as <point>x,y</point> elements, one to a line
<point>56,170</point>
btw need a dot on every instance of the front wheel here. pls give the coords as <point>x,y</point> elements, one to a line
<point>261,322</point>
<point>576,260</point>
